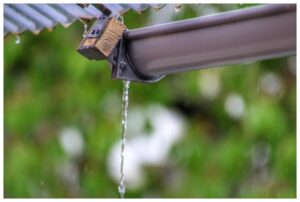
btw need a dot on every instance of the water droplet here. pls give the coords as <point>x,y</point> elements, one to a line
<point>85,32</point>
<point>18,39</point>
<point>36,32</point>
<point>178,7</point>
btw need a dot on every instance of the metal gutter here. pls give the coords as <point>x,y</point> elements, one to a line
<point>255,33</point>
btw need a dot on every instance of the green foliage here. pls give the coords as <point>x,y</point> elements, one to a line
<point>48,86</point>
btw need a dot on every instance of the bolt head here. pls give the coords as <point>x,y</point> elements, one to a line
<point>122,64</point>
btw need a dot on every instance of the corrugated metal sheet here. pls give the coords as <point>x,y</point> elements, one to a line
<point>35,17</point>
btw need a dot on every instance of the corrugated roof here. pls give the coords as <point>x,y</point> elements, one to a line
<point>35,17</point>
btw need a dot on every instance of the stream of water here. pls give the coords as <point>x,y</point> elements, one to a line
<point>125,100</point>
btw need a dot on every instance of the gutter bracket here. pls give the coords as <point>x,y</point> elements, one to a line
<point>124,69</point>
<point>105,40</point>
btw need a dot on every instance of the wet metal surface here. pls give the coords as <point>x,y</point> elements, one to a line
<point>36,17</point>
<point>252,34</point>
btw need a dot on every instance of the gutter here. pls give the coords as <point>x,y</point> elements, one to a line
<point>251,34</point>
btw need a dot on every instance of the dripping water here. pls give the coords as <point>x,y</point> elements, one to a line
<point>85,29</point>
<point>125,100</point>
<point>18,39</point>
<point>178,7</point>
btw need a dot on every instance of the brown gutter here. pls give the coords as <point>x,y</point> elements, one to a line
<point>250,34</point>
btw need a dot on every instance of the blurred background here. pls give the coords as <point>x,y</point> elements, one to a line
<point>220,132</point>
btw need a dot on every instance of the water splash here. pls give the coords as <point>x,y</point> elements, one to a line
<point>18,39</point>
<point>85,31</point>
<point>178,7</point>
<point>125,101</point>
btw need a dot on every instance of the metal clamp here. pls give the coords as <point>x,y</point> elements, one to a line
<point>124,69</point>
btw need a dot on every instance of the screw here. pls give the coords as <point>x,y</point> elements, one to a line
<point>123,65</point>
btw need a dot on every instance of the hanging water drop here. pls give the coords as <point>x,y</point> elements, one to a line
<point>125,100</point>
<point>178,7</point>
<point>18,39</point>
<point>85,32</point>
